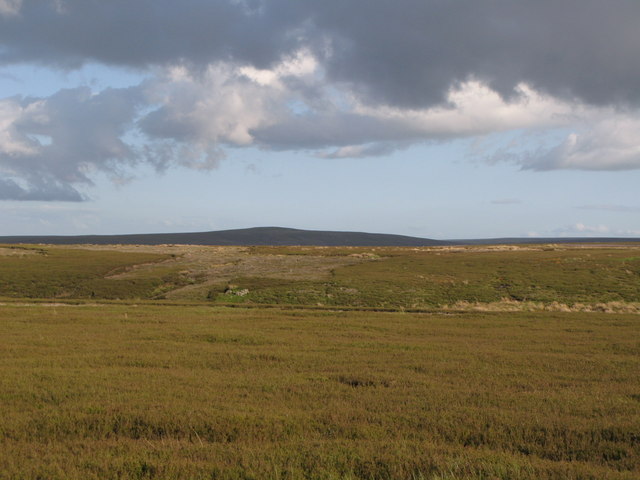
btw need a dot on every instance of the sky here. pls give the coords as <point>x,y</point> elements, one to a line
<point>430,118</point>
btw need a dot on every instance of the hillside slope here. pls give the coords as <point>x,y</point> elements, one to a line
<point>278,236</point>
<point>246,236</point>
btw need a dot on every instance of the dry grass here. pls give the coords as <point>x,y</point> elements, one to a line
<point>125,392</point>
<point>510,305</point>
<point>17,251</point>
<point>529,370</point>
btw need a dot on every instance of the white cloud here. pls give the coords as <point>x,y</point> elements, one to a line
<point>245,106</point>
<point>376,149</point>
<point>49,146</point>
<point>216,106</point>
<point>302,76</point>
<point>189,117</point>
<point>342,125</point>
<point>506,201</point>
<point>301,64</point>
<point>10,7</point>
<point>474,109</point>
<point>612,208</point>
<point>198,112</point>
<point>584,230</point>
<point>581,227</point>
<point>607,141</point>
<point>12,141</point>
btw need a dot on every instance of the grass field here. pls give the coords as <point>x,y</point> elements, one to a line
<point>198,392</point>
<point>392,278</point>
<point>185,388</point>
<point>45,272</point>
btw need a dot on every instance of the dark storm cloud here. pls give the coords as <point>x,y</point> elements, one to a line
<point>406,53</point>
<point>139,33</point>
<point>410,53</point>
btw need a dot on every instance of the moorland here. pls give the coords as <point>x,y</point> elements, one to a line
<point>446,362</point>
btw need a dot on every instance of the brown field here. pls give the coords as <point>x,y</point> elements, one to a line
<point>337,363</point>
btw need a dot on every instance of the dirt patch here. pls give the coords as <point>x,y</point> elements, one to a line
<point>202,267</point>
<point>17,252</point>
<point>222,266</point>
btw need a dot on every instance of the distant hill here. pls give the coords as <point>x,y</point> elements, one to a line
<point>542,240</point>
<point>290,236</point>
<point>246,236</point>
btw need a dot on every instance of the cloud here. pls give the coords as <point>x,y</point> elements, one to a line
<point>68,33</point>
<point>612,208</point>
<point>291,107</point>
<point>51,147</point>
<point>39,218</point>
<point>581,227</point>
<point>218,106</point>
<point>403,55</point>
<point>507,201</point>
<point>42,190</point>
<point>594,138</point>
<point>281,75</point>
<point>10,7</point>
<point>48,146</point>
<point>581,230</point>
<point>472,109</point>
<point>413,55</point>
<point>376,149</point>
<point>608,143</point>
<point>194,114</point>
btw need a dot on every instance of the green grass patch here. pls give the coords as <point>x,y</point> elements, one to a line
<point>428,278</point>
<point>388,278</point>
<point>74,273</point>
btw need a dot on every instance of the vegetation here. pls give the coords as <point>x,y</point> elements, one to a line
<point>378,277</point>
<point>431,278</point>
<point>51,272</point>
<point>173,392</point>
<point>369,363</point>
